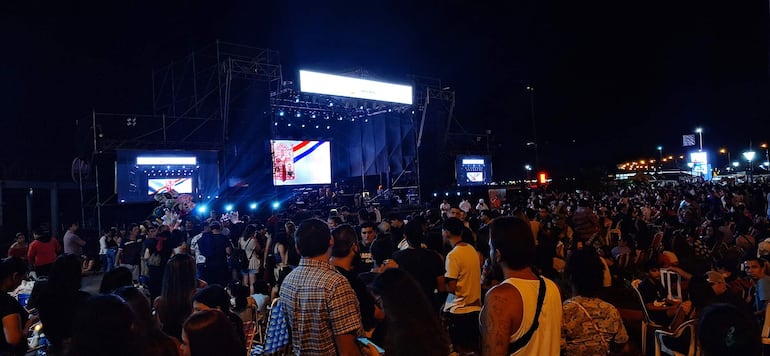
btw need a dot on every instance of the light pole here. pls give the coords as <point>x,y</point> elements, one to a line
<point>699,131</point>
<point>660,158</point>
<point>767,154</point>
<point>749,156</point>
<point>725,151</point>
<point>527,169</point>
<point>531,91</point>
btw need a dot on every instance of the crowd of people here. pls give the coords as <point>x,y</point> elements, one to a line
<point>545,272</point>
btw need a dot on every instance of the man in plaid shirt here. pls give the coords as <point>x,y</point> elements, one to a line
<point>318,302</point>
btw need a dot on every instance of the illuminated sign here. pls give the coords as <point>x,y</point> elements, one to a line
<point>328,84</point>
<point>172,161</point>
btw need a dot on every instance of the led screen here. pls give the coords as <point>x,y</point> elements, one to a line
<point>164,185</point>
<point>328,84</point>
<point>301,162</point>
<point>140,174</point>
<point>473,170</point>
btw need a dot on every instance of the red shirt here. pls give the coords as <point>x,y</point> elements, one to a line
<point>18,251</point>
<point>43,253</point>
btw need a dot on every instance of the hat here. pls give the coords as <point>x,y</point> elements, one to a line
<point>714,277</point>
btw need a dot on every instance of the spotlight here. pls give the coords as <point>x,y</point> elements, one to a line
<point>281,113</point>
<point>366,120</point>
<point>328,127</point>
<point>298,114</point>
<point>303,126</point>
<point>253,206</point>
<point>316,126</point>
<point>229,208</point>
<point>312,116</point>
<point>276,205</point>
<point>435,195</point>
<point>289,124</point>
<point>446,194</point>
<point>202,209</point>
<point>458,194</point>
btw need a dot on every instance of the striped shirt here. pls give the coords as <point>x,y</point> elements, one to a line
<point>319,304</point>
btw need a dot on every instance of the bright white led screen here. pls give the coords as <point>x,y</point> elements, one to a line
<point>328,84</point>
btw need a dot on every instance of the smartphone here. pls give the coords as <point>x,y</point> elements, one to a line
<point>365,341</point>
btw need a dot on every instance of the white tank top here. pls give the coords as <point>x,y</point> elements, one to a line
<point>545,340</point>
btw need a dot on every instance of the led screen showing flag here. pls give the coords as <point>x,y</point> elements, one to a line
<point>688,140</point>
<point>163,185</point>
<point>473,170</point>
<point>301,162</point>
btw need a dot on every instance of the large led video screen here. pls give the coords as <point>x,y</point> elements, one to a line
<point>301,162</point>
<point>140,174</point>
<point>164,185</point>
<point>473,170</point>
<point>337,85</point>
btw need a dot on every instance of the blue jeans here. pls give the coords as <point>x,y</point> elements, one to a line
<point>108,260</point>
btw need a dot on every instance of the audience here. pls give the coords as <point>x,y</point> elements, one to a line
<point>150,339</point>
<point>103,326</point>
<point>524,240</point>
<point>411,326</point>
<point>209,332</point>
<point>216,297</point>
<point>174,304</point>
<point>590,326</point>
<point>16,321</point>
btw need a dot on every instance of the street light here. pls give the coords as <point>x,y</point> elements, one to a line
<point>767,154</point>
<point>699,131</point>
<point>749,156</point>
<point>725,151</point>
<point>660,157</point>
<point>527,169</point>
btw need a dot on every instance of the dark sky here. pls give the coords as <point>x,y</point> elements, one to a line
<point>613,79</point>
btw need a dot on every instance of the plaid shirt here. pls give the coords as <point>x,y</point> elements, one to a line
<point>319,304</point>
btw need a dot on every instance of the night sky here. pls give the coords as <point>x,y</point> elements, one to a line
<point>613,80</point>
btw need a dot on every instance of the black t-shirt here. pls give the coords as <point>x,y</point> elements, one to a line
<point>365,301</point>
<point>423,264</point>
<point>132,251</point>
<point>214,247</point>
<point>9,306</point>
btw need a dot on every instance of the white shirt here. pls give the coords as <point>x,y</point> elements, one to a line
<point>543,341</point>
<point>462,264</point>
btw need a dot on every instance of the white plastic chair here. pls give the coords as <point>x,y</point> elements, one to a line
<point>660,345</point>
<point>647,322</point>
<point>672,281</point>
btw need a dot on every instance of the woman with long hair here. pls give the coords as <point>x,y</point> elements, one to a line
<point>208,332</point>
<point>151,341</point>
<point>411,326</point>
<point>103,327</point>
<point>250,246</point>
<point>59,300</point>
<point>174,304</point>
<point>13,270</point>
<point>216,297</point>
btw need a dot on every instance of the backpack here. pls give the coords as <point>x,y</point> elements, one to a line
<point>238,259</point>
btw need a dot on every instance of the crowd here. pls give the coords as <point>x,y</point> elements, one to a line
<point>544,272</point>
